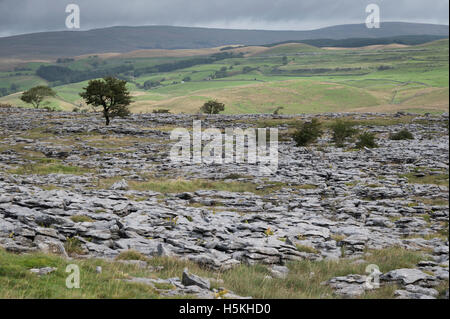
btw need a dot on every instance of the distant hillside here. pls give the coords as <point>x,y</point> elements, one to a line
<point>362,42</point>
<point>126,39</point>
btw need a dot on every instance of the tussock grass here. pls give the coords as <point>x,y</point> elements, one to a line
<point>306,249</point>
<point>73,246</point>
<point>305,277</point>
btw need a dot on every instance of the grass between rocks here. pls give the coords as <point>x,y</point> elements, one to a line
<point>16,281</point>
<point>45,169</point>
<point>181,185</point>
<point>431,201</point>
<point>166,185</point>
<point>81,219</point>
<point>328,123</point>
<point>436,179</point>
<point>303,281</point>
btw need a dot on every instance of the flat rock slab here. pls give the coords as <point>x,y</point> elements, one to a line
<point>42,271</point>
<point>407,276</point>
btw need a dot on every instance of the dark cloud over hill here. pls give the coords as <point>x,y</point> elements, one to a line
<point>26,16</point>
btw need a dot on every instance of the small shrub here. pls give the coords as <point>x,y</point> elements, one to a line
<point>308,133</point>
<point>401,135</point>
<point>342,130</point>
<point>366,139</point>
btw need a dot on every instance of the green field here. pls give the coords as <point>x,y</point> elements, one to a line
<point>298,77</point>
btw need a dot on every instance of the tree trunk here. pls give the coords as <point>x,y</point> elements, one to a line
<point>106,115</point>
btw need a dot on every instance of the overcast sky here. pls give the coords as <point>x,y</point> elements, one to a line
<point>26,16</point>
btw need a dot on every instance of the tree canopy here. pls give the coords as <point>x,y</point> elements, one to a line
<point>37,94</point>
<point>109,93</point>
<point>212,107</point>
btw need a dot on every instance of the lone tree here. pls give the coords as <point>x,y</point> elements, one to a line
<point>212,107</point>
<point>109,93</point>
<point>37,94</point>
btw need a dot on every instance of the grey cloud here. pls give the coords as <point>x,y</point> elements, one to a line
<point>24,16</point>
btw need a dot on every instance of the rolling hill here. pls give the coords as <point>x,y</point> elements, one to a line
<point>47,45</point>
<point>255,79</point>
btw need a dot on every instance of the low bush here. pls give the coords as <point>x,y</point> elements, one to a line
<point>366,139</point>
<point>308,133</point>
<point>342,130</point>
<point>401,135</point>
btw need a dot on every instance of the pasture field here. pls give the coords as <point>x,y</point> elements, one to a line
<point>297,77</point>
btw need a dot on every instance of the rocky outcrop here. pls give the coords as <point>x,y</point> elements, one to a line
<point>323,202</point>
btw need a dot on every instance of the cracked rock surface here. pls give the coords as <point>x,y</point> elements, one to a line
<point>337,202</point>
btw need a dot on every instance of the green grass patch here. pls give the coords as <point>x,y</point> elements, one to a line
<point>45,169</point>
<point>431,201</point>
<point>81,219</point>
<point>436,179</point>
<point>16,281</point>
<point>131,255</point>
<point>303,281</point>
<point>306,249</point>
